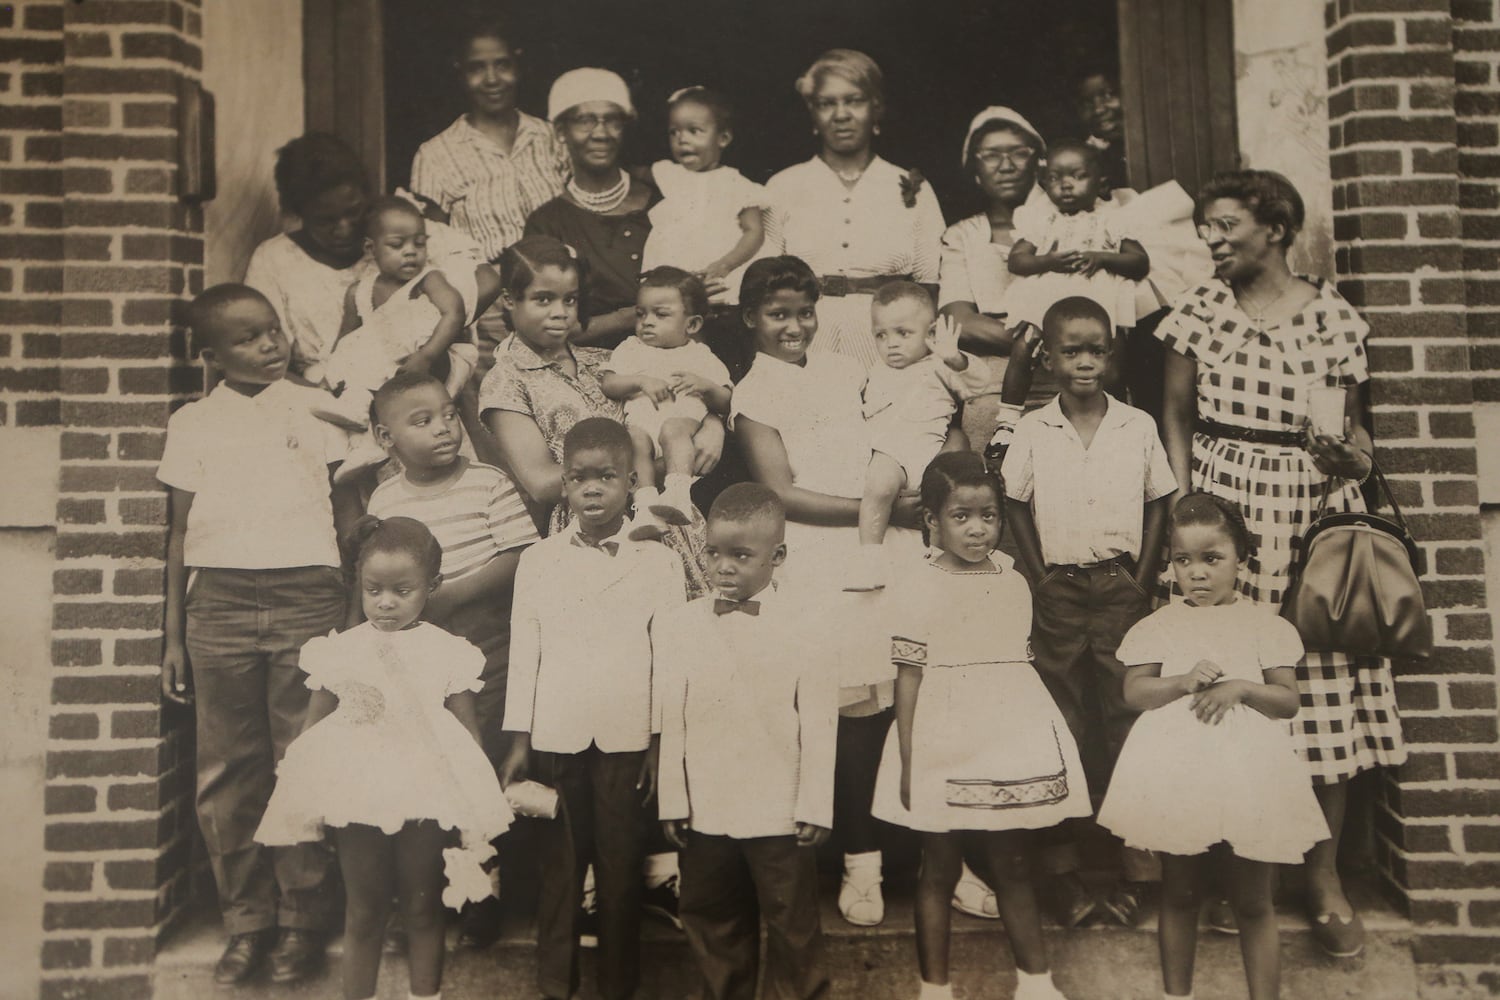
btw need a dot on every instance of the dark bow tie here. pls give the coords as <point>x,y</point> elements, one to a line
<point>724,607</point>
<point>609,548</point>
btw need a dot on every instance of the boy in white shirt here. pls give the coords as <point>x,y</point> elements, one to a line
<point>253,572</point>
<point>749,713</point>
<point>579,705</point>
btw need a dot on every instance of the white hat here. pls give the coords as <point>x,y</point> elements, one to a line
<point>999,113</point>
<point>580,86</point>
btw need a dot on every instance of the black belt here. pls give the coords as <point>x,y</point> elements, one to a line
<point>1251,435</point>
<point>839,285</point>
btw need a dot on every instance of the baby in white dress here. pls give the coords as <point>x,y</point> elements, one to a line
<point>710,219</point>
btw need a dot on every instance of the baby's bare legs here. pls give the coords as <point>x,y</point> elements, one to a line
<point>645,458</point>
<point>677,445</point>
<point>884,479</point>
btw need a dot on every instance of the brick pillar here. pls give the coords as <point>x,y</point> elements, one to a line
<point>1476,44</point>
<point>119,771</point>
<point>1399,226</point>
<point>31,185</point>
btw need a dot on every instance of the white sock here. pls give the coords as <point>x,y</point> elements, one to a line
<point>932,991</point>
<point>435,996</point>
<point>658,868</point>
<point>1174,996</point>
<point>868,859</point>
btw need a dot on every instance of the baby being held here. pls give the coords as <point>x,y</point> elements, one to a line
<point>408,315</point>
<point>909,401</point>
<point>668,383</point>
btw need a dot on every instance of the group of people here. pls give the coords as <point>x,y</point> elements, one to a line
<point>438,558</point>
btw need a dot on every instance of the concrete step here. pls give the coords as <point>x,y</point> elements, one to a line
<point>877,963</point>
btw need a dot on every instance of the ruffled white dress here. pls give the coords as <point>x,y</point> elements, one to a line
<point>990,750</point>
<point>697,220</point>
<point>1182,786</point>
<point>391,752</point>
<point>1101,228</point>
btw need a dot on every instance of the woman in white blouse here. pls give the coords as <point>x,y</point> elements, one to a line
<point>856,219</point>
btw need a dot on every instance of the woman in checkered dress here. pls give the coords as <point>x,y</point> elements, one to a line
<point>1243,352</point>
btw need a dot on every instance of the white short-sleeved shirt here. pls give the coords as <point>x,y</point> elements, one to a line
<point>634,357</point>
<point>815,407</point>
<point>257,467</point>
<point>698,219</point>
<point>1087,501</point>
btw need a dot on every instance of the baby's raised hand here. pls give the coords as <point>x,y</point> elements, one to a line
<point>655,389</point>
<point>1204,673</point>
<point>1212,703</point>
<point>942,339</point>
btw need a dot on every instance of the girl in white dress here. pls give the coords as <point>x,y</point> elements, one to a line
<point>390,756</point>
<point>979,754</point>
<point>710,220</point>
<point>1212,760</point>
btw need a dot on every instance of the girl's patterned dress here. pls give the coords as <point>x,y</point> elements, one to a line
<point>1258,379</point>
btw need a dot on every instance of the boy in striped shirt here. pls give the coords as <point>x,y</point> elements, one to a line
<point>479,519</point>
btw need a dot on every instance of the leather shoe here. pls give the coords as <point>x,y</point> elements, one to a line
<point>242,956</point>
<point>479,927</point>
<point>1068,900</point>
<point>296,956</point>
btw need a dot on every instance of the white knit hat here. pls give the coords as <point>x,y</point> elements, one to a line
<point>580,86</point>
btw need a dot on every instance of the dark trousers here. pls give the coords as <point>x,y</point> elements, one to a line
<point>245,630</point>
<point>1079,616</point>
<point>728,886</point>
<point>600,821</point>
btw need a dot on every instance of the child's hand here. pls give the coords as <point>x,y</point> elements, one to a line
<point>1214,702</point>
<point>809,835</point>
<point>655,389</point>
<point>174,674</point>
<point>650,766</point>
<point>1062,261</point>
<point>515,765</point>
<point>689,384</point>
<point>714,283</point>
<point>1092,262</point>
<point>942,339</point>
<point>1203,674</point>
<point>676,832</point>
<point>417,363</point>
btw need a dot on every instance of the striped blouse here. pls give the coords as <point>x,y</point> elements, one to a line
<point>487,192</point>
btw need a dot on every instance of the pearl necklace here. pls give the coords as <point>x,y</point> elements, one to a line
<point>604,201</point>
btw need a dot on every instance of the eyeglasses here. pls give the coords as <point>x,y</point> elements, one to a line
<point>612,122</point>
<point>1015,156</point>
<point>1222,227</point>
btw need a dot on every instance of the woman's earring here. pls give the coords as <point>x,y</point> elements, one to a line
<point>877,129</point>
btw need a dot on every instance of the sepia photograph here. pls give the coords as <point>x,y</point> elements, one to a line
<point>750,499</point>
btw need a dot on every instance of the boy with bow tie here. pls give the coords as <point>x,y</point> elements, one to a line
<point>579,705</point>
<point>749,712</point>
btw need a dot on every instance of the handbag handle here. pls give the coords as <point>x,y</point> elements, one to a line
<point>1382,487</point>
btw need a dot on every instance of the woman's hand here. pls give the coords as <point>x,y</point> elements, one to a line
<point>514,767</point>
<point>906,512</point>
<point>676,832</point>
<point>714,284</point>
<point>809,835</point>
<point>1340,457</point>
<point>708,445</point>
<point>1214,702</point>
<point>174,674</point>
<point>417,363</point>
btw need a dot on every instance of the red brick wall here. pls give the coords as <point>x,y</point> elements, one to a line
<point>1476,44</point>
<point>119,775</point>
<point>31,187</point>
<point>1404,228</point>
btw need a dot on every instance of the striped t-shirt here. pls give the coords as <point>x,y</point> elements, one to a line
<point>475,514</point>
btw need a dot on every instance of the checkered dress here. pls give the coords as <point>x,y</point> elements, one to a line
<point>1259,379</point>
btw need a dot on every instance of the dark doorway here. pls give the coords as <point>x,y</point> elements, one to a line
<point>943,60</point>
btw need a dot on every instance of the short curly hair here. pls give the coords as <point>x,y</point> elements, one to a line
<point>1270,197</point>
<point>853,66</point>
<point>314,164</point>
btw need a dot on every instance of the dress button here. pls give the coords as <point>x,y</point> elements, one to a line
<point>636,256</point>
<point>848,201</point>
<point>1091,501</point>
<point>627,232</point>
<point>845,246</point>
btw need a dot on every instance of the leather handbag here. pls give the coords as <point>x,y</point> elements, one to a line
<point>1356,588</point>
